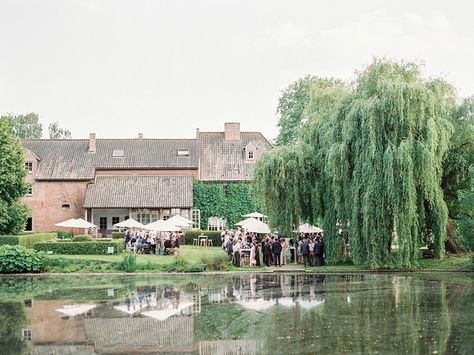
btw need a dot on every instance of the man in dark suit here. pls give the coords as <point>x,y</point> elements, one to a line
<point>305,250</point>
<point>267,252</point>
<point>319,250</point>
<point>276,247</point>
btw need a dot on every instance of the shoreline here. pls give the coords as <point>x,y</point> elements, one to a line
<point>235,272</point>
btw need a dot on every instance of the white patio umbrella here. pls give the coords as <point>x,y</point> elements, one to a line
<point>162,226</point>
<point>181,218</point>
<point>307,228</point>
<point>129,223</point>
<point>257,305</point>
<point>256,226</point>
<point>75,309</point>
<point>254,215</point>
<point>245,222</point>
<point>163,314</point>
<point>76,223</point>
<point>179,221</point>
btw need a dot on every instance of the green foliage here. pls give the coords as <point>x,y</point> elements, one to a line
<point>24,126</point>
<point>63,235</point>
<point>79,248</point>
<point>181,265</point>
<point>17,259</point>
<point>220,263</point>
<point>81,238</point>
<point>9,240</point>
<point>230,201</point>
<point>118,235</point>
<point>13,185</point>
<point>56,132</point>
<point>129,262</point>
<point>29,240</point>
<point>372,160</point>
<point>215,236</point>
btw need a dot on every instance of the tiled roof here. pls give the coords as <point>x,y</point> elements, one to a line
<point>140,191</point>
<point>68,159</point>
<point>222,160</point>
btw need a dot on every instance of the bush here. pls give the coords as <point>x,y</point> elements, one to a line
<point>82,238</point>
<point>219,263</point>
<point>79,248</point>
<point>16,258</point>
<point>129,263</point>
<point>118,235</point>
<point>29,240</point>
<point>63,235</point>
<point>9,240</point>
<point>181,265</point>
<point>215,236</point>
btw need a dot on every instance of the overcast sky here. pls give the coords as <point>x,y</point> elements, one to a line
<point>165,68</point>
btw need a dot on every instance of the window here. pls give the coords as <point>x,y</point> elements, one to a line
<point>250,154</point>
<point>196,218</point>
<point>30,191</point>
<point>29,166</point>
<point>103,223</point>
<point>216,223</point>
<point>118,153</point>
<point>65,206</point>
<point>183,152</point>
<point>27,334</point>
<point>166,214</point>
<point>175,211</point>
<point>143,217</point>
<point>115,220</point>
<point>29,224</point>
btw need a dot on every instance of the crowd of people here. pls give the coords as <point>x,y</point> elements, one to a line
<point>270,250</point>
<point>149,242</point>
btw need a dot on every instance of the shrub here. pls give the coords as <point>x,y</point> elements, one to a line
<point>219,263</point>
<point>63,235</point>
<point>129,263</point>
<point>181,265</point>
<point>9,240</point>
<point>215,236</point>
<point>79,248</point>
<point>29,240</point>
<point>82,238</point>
<point>118,235</point>
<point>16,258</point>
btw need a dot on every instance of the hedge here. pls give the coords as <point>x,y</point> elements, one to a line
<point>9,240</point>
<point>26,240</point>
<point>215,236</point>
<point>79,248</point>
<point>82,238</point>
<point>118,235</point>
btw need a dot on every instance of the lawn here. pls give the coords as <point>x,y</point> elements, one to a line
<point>189,253</point>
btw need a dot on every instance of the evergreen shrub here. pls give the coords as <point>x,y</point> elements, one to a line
<point>82,238</point>
<point>118,235</point>
<point>79,248</point>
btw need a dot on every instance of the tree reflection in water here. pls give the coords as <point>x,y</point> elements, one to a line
<point>247,313</point>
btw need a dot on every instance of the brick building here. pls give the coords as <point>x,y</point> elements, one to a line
<point>108,180</point>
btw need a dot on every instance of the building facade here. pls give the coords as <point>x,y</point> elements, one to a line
<point>106,181</point>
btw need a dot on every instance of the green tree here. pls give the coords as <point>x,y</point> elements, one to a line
<point>24,126</point>
<point>372,161</point>
<point>56,132</point>
<point>13,185</point>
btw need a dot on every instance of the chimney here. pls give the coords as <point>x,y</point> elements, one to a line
<point>140,135</point>
<point>232,131</point>
<point>197,133</point>
<point>92,146</point>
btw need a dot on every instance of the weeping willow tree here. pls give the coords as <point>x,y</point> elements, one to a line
<point>371,160</point>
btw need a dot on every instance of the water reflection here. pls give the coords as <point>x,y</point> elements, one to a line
<point>241,314</point>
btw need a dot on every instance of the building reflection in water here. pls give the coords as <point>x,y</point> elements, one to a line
<point>244,314</point>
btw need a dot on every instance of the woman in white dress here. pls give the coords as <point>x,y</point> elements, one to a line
<point>253,260</point>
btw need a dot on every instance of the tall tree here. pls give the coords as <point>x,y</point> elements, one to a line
<point>372,162</point>
<point>56,132</point>
<point>24,126</point>
<point>13,185</point>
<point>294,101</point>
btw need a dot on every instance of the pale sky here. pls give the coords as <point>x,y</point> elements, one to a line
<point>164,68</point>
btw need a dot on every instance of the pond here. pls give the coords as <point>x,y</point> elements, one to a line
<point>283,313</point>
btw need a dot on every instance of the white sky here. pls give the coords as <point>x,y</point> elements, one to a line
<point>165,68</point>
